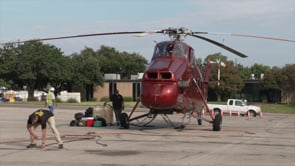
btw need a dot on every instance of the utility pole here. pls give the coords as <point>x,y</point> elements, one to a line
<point>219,65</point>
<point>218,72</point>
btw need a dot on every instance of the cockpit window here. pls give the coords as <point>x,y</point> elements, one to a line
<point>159,49</point>
<point>168,49</point>
<point>178,51</point>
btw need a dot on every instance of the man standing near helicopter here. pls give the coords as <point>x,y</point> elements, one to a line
<point>50,100</point>
<point>118,105</point>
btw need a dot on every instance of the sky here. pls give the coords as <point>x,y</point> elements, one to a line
<point>33,19</point>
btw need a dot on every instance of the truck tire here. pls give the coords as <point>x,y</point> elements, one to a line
<point>252,113</point>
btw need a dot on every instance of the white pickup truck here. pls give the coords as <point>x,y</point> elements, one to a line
<point>236,106</point>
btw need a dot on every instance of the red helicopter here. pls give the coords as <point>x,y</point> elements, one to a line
<point>173,82</point>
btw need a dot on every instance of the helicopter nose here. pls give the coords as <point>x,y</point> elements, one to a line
<point>159,95</point>
<point>159,92</point>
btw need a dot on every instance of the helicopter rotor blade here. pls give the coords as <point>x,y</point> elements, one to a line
<point>174,32</point>
<point>221,45</point>
<point>246,35</point>
<point>263,37</point>
<point>142,34</point>
<point>77,36</point>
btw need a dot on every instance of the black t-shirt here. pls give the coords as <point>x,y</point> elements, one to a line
<point>43,115</point>
<point>117,100</point>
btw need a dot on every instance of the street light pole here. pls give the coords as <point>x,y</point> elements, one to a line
<point>218,72</point>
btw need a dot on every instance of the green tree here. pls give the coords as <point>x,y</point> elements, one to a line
<point>133,64</point>
<point>108,59</point>
<point>258,69</point>
<point>233,81</point>
<point>7,58</point>
<point>282,79</point>
<point>244,71</point>
<point>271,82</point>
<point>90,65</point>
<point>41,64</point>
<point>33,65</point>
<point>272,79</point>
<point>288,83</point>
<point>86,69</point>
<point>123,63</point>
<point>230,83</point>
<point>62,73</point>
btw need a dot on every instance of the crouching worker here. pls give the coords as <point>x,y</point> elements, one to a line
<point>41,117</point>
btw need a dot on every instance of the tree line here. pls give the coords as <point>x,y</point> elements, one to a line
<point>232,78</point>
<point>34,65</point>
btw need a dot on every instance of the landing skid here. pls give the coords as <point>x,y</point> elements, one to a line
<point>149,118</point>
<point>127,119</point>
<point>151,115</point>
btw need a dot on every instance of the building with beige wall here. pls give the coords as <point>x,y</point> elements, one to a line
<point>128,88</point>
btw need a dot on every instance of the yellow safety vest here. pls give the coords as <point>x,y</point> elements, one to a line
<point>49,98</point>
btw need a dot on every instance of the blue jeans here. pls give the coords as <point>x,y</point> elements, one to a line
<point>51,108</point>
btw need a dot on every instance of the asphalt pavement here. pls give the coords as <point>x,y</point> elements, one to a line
<point>242,141</point>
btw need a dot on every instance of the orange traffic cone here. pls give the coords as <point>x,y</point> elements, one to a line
<point>249,115</point>
<point>230,113</point>
<point>260,115</point>
<point>238,114</point>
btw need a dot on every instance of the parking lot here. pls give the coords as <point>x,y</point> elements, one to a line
<point>241,141</point>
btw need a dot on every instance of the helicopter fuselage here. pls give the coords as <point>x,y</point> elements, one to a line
<point>167,84</point>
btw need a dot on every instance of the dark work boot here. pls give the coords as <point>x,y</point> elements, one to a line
<point>32,146</point>
<point>60,146</point>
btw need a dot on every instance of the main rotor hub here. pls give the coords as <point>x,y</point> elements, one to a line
<point>177,33</point>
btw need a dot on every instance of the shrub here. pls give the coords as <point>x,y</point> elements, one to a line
<point>93,99</point>
<point>128,98</point>
<point>105,98</point>
<point>58,100</point>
